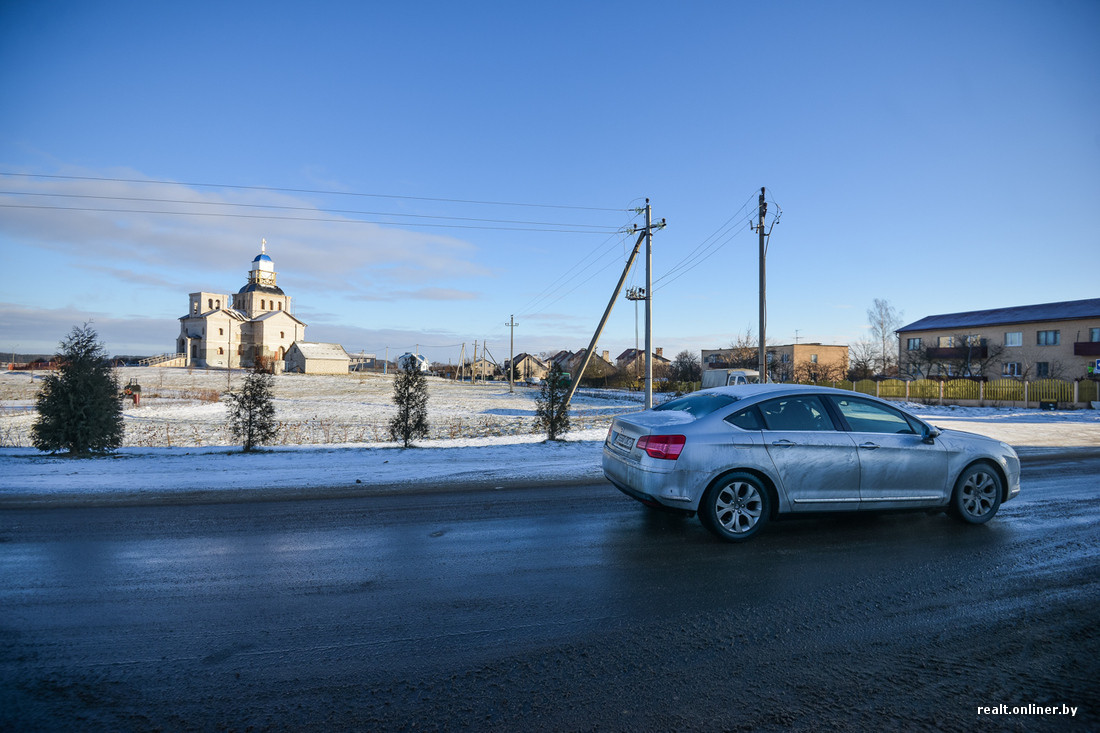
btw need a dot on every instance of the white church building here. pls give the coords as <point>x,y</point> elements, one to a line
<point>256,322</point>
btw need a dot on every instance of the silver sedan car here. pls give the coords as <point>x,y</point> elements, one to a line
<point>740,456</point>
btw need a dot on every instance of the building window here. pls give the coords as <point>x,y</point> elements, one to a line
<point>195,307</point>
<point>220,351</point>
<point>1049,338</point>
<point>218,304</point>
<point>280,305</point>
<point>912,345</point>
<point>813,358</point>
<point>209,302</point>
<point>1011,369</point>
<point>947,342</point>
<point>263,304</point>
<point>1014,338</point>
<point>1042,369</point>
<point>1094,334</point>
<point>221,331</point>
<point>282,334</point>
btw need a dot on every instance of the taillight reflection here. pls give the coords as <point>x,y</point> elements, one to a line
<point>665,447</point>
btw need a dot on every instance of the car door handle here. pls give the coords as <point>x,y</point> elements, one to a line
<point>869,445</point>
<point>784,443</point>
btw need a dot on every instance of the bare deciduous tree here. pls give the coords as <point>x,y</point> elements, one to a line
<point>884,321</point>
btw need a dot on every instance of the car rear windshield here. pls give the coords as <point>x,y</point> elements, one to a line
<point>698,405</point>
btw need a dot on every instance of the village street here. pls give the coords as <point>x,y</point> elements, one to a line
<point>553,607</point>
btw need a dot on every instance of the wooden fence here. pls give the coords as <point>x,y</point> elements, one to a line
<point>967,391</point>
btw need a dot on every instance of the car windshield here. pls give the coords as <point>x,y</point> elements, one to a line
<point>698,405</point>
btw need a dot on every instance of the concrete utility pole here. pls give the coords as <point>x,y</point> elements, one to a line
<point>646,233</point>
<point>648,306</point>
<point>762,352</point>
<point>511,350</point>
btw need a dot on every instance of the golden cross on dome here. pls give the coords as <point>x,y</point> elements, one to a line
<point>263,246</point>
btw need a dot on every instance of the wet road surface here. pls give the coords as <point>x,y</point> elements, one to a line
<point>559,608</point>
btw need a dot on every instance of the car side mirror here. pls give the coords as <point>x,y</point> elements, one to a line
<point>930,434</point>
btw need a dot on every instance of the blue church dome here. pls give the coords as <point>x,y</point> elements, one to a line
<point>263,258</point>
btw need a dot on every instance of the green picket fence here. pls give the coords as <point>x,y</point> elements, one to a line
<point>961,389</point>
<point>892,389</point>
<point>1004,390</point>
<point>1087,391</point>
<point>1050,389</point>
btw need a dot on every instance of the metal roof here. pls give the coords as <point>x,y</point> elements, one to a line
<point>1065,311</point>
<point>319,350</point>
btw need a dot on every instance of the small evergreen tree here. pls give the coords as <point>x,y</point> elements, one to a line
<point>551,412</point>
<point>410,394</point>
<point>251,410</point>
<point>79,408</point>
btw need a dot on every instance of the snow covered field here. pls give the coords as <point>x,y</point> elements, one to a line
<point>335,441</point>
<point>181,409</point>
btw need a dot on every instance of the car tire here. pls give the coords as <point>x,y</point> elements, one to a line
<point>735,507</point>
<point>977,494</point>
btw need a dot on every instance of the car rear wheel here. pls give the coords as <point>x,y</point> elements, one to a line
<point>735,507</point>
<point>977,494</point>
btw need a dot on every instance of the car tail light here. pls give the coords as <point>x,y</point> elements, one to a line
<point>665,447</point>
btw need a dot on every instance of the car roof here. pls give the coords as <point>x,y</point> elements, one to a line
<point>745,391</point>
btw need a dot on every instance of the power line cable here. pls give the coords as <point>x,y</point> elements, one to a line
<point>597,253</point>
<point>303,190</point>
<point>300,218</point>
<point>600,227</point>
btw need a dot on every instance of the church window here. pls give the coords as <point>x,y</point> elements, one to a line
<point>281,307</point>
<point>209,302</point>
<point>221,350</point>
<point>263,304</point>
<point>282,334</point>
<point>217,304</point>
<point>221,331</point>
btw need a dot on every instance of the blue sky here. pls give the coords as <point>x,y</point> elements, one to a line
<point>942,156</point>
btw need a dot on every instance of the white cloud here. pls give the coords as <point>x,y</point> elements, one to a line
<point>135,228</point>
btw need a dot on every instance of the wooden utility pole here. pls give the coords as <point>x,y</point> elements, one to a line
<point>762,353</point>
<point>511,350</point>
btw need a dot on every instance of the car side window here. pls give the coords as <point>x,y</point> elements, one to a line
<point>801,412</point>
<point>746,419</point>
<point>864,416</point>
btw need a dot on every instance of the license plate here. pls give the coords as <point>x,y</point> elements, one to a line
<point>623,441</point>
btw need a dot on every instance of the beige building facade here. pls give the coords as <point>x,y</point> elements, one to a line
<point>224,330</point>
<point>1049,340</point>
<point>787,363</point>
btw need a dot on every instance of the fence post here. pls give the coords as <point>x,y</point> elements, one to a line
<point>981,394</point>
<point>878,389</point>
<point>1025,394</point>
<point>907,390</point>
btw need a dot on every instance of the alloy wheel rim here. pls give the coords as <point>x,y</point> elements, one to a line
<point>738,507</point>
<point>979,493</point>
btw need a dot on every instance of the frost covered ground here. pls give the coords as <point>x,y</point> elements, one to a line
<point>334,439</point>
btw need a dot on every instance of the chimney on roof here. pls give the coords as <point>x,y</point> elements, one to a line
<point>659,351</point>
<point>606,354</point>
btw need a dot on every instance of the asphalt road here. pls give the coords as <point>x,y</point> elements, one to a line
<point>554,608</point>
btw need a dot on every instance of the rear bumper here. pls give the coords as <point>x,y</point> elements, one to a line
<point>657,488</point>
<point>650,501</point>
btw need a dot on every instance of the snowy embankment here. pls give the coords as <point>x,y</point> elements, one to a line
<point>483,438</point>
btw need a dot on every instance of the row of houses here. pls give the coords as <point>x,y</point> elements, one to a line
<point>631,362</point>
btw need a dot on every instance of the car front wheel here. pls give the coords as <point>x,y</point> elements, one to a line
<point>735,507</point>
<point>977,494</point>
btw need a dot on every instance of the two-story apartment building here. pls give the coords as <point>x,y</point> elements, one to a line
<point>1057,340</point>
<point>786,363</point>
